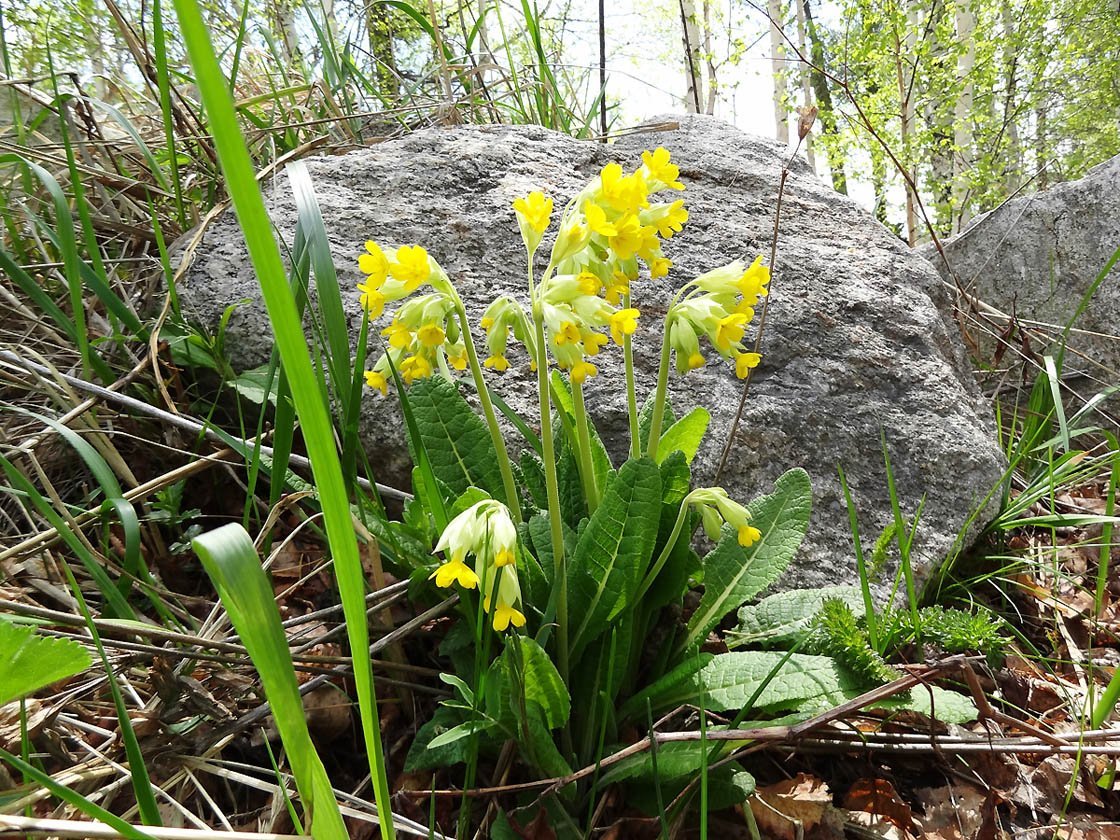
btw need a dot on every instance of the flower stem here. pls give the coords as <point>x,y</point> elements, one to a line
<point>586,464</point>
<point>504,466</point>
<point>663,558</point>
<point>659,397</point>
<point>552,485</point>
<point>631,392</point>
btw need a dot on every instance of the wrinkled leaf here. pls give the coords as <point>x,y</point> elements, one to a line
<point>783,617</point>
<point>684,436</point>
<point>733,575</point>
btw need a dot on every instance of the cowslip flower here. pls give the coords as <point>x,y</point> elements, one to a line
<point>486,531</point>
<point>660,171</point>
<point>374,264</point>
<point>534,212</point>
<point>716,508</point>
<point>411,266</point>
<point>623,323</point>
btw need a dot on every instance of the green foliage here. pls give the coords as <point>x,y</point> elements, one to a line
<point>231,561</point>
<point>953,631</point>
<point>835,631</point>
<point>455,439</point>
<point>29,662</point>
<point>732,576</point>
<point>784,618</point>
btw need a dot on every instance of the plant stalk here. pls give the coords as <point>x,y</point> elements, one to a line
<point>504,466</point>
<point>659,397</point>
<point>552,485</point>
<point>583,438</point>
<point>631,390</point>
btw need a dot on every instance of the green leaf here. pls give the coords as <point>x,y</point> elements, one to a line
<point>539,679</point>
<point>231,561</point>
<point>684,436</point>
<point>29,662</point>
<point>731,575</point>
<point>457,441</point>
<point>784,617</point>
<point>613,552</point>
<point>681,678</point>
<point>813,683</point>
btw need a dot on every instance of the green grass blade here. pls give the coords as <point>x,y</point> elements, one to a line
<point>231,561</point>
<point>113,598</point>
<point>1055,381</point>
<point>138,771</point>
<point>296,359</point>
<point>70,797</point>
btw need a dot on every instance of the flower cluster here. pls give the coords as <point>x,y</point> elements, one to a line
<point>486,531</point>
<point>584,294</point>
<point>716,508</point>
<point>423,334</point>
<point>718,304</point>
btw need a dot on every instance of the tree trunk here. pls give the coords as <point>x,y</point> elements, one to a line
<point>709,53</point>
<point>906,111</point>
<point>693,61</point>
<point>1014,155</point>
<point>965,24</point>
<point>778,66</point>
<point>806,87</point>
<point>379,27</point>
<point>829,131</point>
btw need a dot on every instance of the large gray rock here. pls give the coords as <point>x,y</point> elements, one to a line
<point>1037,257</point>
<point>855,343</point>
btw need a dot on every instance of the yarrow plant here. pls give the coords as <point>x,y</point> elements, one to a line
<point>564,526</point>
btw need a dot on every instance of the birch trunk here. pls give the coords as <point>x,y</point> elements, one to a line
<point>693,61</point>
<point>778,67</point>
<point>965,25</point>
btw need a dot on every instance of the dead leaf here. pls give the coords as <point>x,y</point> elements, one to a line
<point>879,799</point>
<point>327,710</point>
<point>790,809</point>
<point>952,812</point>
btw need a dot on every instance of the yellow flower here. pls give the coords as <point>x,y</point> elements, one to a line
<point>582,370</point>
<point>753,284</point>
<point>658,168</point>
<point>431,335</point>
<point>498,363</point>
<point>659,267</point>
<point>628,239</point>
<point>504,557</point>
<point>457,356</point>
<point>626,194</point>
<point>730,331</point>
<point>571,240</point>
<point>487,323</point>
<point>374,264</point>
<point>696,360</point>
<point>597,220</point>
<point>372,301</point>
<point>749,535</point>
<point>744,362</point>
<point>398,334</point>
<point>593,342</point>
<point>377,380</point>
<point>568,334</point>
<point>455,570</point>
<point>589,283</point>
<point>505,615</point>
<point>415,367</point>
<point>623,323</point>
<point>673,220</point>
<point>744,307</point>
<point>620,287</point>
<point>413,268</point>
<point>535,209</point>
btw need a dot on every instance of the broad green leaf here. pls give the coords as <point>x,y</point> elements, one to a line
<point>540,750</point>
<point>29,662</point>
<point>540,680</point>
<point>733,575</point>
<point>256,385</point>
<point>457,441</point>
<point>679,760</point>
<point>685,435</point>
<point>423,756</point>
<point>812,683</point>
<point>671,685</point>
<point>230,559</point>
<point>614,551</point>
<point>456,734</point>
<point>783,617</point>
